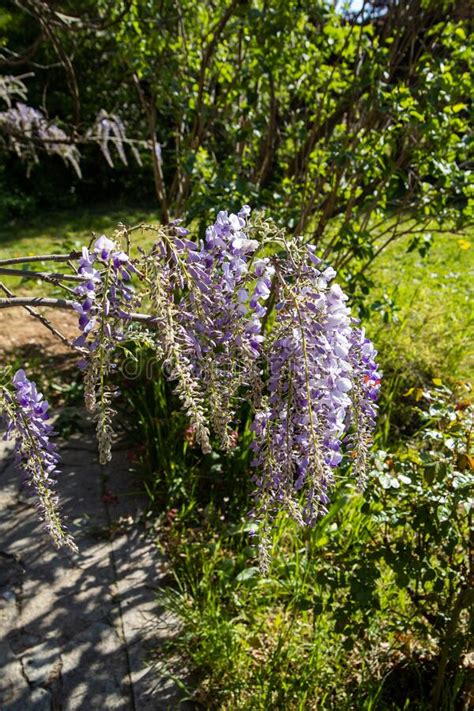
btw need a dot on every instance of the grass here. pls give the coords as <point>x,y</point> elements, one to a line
<point>63,232</point>
<point>433,305</point>
<point>421,320</point>
<point>355,613</point>
<point>67,229</point>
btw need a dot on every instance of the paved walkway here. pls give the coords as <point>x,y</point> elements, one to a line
<point>76,632</point>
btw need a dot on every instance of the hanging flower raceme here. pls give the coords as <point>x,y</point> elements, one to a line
<point>209,304</point>
<point>105,302</point>
<point>105,294</point>
<point>241,316</point>
<point>28,130</point>
<point>223,317</point>
<point>26,125</point>
<point>366,387</point>
<point>25,413</point>
<point>322,379</point>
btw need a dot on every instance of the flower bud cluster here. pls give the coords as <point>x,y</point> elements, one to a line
<point>26,415</point>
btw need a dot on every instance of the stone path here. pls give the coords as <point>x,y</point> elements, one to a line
<point>76,632</point>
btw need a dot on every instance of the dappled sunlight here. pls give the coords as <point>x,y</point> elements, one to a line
<point>79,630</point>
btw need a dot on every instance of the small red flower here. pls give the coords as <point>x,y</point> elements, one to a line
<point>190,435</point>
<point>171,515</point>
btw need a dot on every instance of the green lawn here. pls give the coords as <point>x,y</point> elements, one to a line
<point>433,299</point>
<point>68,229</point>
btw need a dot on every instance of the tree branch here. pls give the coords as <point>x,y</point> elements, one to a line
<point>66,304</point>
<point>51,277</point>
<point>45,321</point>
<point>41,258</point>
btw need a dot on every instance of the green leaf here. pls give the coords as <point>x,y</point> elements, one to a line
<point>247,574</point>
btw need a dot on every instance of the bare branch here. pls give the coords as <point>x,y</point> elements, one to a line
<point>45,321</point>
<point>51,277</point>
<point>41,258</point>
<point>54,303</point>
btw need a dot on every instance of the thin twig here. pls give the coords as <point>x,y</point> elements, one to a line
<point>41,258</point>
<point>52,277</point>
<point>66,304</point>
<point>45,321</point>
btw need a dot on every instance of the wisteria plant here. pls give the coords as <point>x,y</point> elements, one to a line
<point>27,131</point>
<point>243,315</point>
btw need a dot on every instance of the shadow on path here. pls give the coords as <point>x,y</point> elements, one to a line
<point>75,632</point>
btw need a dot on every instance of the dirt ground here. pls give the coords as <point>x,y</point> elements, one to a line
<point>21,332</point>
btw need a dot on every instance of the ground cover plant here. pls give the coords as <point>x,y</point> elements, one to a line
<point>370,609</point>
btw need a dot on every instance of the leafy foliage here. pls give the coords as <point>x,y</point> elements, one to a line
<point>370,609</point>
<point>345,125</point>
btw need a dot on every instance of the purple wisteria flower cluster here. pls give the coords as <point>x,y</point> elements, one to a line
<point>25,412</point>
<point>26,126</point>
<point>242,319</point>
<point>311,376</point>
<point>106,299</point>
<point>209,301</point>
<point>319,374</point>
<point>27,129</point>
<point>109,128</point>
<point>105,294</point>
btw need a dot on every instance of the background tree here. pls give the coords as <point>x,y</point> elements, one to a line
<point>344,124</point>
